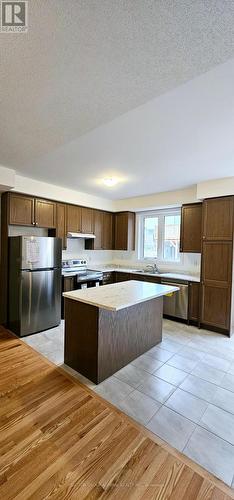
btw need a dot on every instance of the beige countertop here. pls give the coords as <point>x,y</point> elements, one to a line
<point>169,275</point>
<point>120,295</point>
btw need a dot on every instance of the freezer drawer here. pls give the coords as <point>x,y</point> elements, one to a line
<point>35,301</point>
<point>176,304</point>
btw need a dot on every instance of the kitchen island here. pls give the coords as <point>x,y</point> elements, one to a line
<point>108,327</point>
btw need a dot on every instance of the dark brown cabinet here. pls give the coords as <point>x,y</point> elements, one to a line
<point>96,244</point>
<point>21,209</point>
<point>218,218</point>
<point>107,234</point>
<point>61,226</point>
<point>137,277</point>
<point>217,261</point>
<point>124,231</point>
<point>216,305</point>
<point>217,258</point>
<point>68,285</point>
<point>45,213</point>
<point>122,277</point>
<point>29,211</point>
<point>103,230</point>
<point>194,300</point>
<point>87,225</point>
<point>191,228</point>
<point>73,219</point>
<point>145,277</point>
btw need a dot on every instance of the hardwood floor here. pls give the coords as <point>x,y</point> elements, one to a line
<point>58,440</point>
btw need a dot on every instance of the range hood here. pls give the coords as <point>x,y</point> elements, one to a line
<point>81,235</point>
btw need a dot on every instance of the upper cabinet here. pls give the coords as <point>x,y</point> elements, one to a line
<point>218,219</point>
<point>73,219</point>
<point>29,211</point>
<point>191,228</point>
<point>45,213</point>
<point>61,226</point>
<point>21,210</point>
<point>124,231</point>
<point>87,225</point>
<point>97,242</point>
<point>103,230</point>
<point>107,234</point>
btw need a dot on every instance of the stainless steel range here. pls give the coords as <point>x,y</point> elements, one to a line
<point>76,275</point>
<point>84,277</point>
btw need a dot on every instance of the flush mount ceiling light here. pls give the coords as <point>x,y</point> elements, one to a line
<point>110,181</point>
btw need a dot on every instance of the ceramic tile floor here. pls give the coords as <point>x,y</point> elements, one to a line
<point>182,390</point>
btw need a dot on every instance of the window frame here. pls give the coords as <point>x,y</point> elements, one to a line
<point>160,213</point>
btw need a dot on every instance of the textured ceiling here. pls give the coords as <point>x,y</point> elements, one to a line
<point>83,63</point>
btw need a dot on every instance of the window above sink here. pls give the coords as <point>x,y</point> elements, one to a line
<point>159,235</point>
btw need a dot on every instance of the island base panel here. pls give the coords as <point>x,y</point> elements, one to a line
<point>126,334</point>
<point>99,342</point>
<point>81,339</point>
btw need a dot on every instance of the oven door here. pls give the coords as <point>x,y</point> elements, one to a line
<point>87,284</point>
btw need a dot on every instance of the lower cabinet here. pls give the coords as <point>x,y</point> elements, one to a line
<point>122,277</point>
<point>217,259</point>
<point>194,301</point>
<point>216,305</point>
<point>137,277</point>
<point>68,284</point>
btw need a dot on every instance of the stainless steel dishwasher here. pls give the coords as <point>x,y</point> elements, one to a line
<point>176,304</point>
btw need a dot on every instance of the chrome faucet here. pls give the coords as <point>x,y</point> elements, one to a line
<point>154,268</point>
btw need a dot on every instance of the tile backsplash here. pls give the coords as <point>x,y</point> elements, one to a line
<point>76,248</point>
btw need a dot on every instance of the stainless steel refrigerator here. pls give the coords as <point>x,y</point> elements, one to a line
<point>34,284</point>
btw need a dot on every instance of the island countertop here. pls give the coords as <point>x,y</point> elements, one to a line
<point>119,296</point>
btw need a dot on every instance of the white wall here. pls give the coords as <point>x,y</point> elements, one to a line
<point>216,187</point>
<point>59,193</point>
<point>7,178</point>
<point>76,249</point>
<point>158,200</point>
